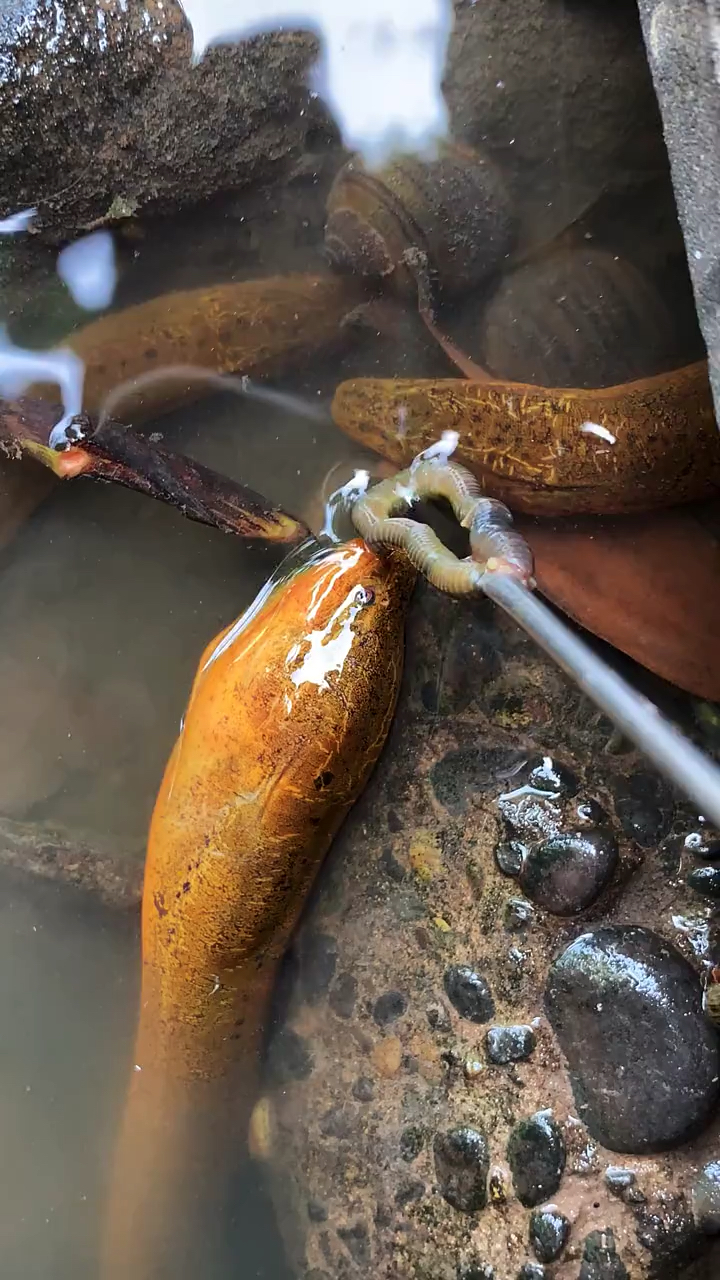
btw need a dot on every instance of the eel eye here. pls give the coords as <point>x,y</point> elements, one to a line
<point>365,595</point>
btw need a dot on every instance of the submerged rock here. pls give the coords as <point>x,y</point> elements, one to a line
<point>568,872</point>
<point>536,1155</point>
<point>115,84</point>
<point>549,1231</point>
<point>462,1164</point>
<point>644,1063</point>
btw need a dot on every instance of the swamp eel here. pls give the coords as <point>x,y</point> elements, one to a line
<point>288,713</point>
<point>552,451</point>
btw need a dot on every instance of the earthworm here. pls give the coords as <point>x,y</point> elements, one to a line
<point>494,545</point>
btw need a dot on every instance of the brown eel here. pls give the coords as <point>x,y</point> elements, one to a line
<point>289,711</point>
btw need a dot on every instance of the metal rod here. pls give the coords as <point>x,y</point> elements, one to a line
<point>637,717</point>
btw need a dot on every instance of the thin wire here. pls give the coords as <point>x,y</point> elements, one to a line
<point>638,718</point>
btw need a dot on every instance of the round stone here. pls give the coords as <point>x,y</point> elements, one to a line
<point>509,856</point>
<point>536,1155</point>
<point>643,805</point>
<point>531,1271</point>
<point>590,814</point>
<point>703,845</point>
<point>705,1198</point>
<point>705,880</point>
<point>600,1259</point>
<point>644,1062</point>
<point>553,778</point>
<point>462,1163</point>
<point>509,1044</point>
<point>549,1230</point>
<point>389,1007</point>
<point>618,1179</point>
<point>568,871</point>
<point>469,993</point>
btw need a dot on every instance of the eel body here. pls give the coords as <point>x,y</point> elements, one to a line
<point>288,713</point>
<point>255,327</point>
<point>552,451</point>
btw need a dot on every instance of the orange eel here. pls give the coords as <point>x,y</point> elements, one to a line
<point>289,711</point>
<point>552,451</point>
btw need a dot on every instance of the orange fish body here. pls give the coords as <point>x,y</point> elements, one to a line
<point>289,711</point>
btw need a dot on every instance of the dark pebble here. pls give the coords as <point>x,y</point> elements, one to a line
<point>288,1057</point>
<point>364,1089</point>
<point>412,1141</point>
<point>643,806</point>
<point>531,1271</point>
<point>549,1231</point>
<point>705,880</point>
<point>510,856</point>
<point>357,1242</point>
<point>337,1123</point>
<point>409,1191</point>
<point>389,1007</point>
<point>316,1211</point>
<point>705,1198</point>
<point>467,771</point>
<point>627,1007</point>
<point>469,993</point>
<point>476,1271</point>
<point>618,1179</point>
<point>591,814</point>
<point>343,995</point>
<point>315,1274</point>
<point>554,779</point>
<point>394,821</point>
<point>600,1259</point>
<point>536,1155</point>
<point>567,872</point>
<point>518,914</point>
<point>671,1236</point>
<point>462,1162</point>
<point>318,961</point>
<point>509,1044</point>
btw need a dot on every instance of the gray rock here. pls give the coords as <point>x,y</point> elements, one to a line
<point>469,993</point>
<point>600,1259</point>
<point>549,1231</point>
<point>626,1008</point>
<point>509,1044</point>
<point>536,1155</point>
<point>462,1163</point>
<point>680,42</point>
<point>705,1198</point>
<point>102,120</point>
<point>569,871</point>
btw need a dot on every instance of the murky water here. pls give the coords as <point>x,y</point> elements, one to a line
<point>107,600</point>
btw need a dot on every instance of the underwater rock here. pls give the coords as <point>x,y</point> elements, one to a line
<point>569,871</point>
<point>624,1004</point>
<point>600,1260</point>
<point>536,1155</point>
<point>462,1163</point>
<point>705,1198</point>
<point>469,993</point>
<point>549,1231</point>
<point>705,880</point>
<point>509,1044</point>
<point>121,91</point>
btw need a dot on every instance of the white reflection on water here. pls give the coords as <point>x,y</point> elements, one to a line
<point>16,222</point>
<point>88,270</point>
<point>381,64</point>
<point>20,368</point>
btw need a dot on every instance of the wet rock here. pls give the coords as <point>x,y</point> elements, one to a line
<point>462,1163</point>
<point>548,1233</point>
<point>670,1235</point>
<point>532,1271</point>
<point>364,1089</point>
<point>509,1044</point>
<point>553,778</point>
<point>703,845</point>
<point>643,806</point>
<point>591,814</point>
<point>476,1271</point>
<point>619,1179</point>
<point>288,1057</point>
<point>600,1259</point>
<point>705,1198</point>
<point>318,961</point>
<point>389,1007</point>
<point>536,1155</point>
<point>469,770</point>
<point>568,872</point>
<point>518,914</point>
<point>343,995</point>
<point>412,1141</point>
<point>509,856</point>
<point>469,993</point>
<point>705,880</point>
<point>162,133</point>
<point>625,1005</point>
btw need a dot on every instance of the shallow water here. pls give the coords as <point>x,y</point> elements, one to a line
<point>106,602</point>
